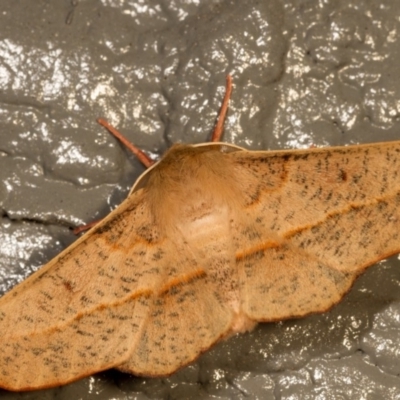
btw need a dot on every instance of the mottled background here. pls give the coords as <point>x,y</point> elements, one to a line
<point>305,72</point>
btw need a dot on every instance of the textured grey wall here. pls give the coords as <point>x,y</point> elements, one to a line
<point>305,72</point>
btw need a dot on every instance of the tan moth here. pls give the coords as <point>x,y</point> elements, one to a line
<point>211,240</point>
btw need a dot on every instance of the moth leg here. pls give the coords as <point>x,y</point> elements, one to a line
<point>82,228</point>
<point>140,155</point>
<point>216,136</point>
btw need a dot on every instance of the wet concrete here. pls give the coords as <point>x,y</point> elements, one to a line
<point>323,73</point>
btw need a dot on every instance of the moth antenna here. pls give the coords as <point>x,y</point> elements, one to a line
<point>217,134</point>
<point>140,155</point>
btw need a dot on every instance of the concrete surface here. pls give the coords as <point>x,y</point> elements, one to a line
<point>305,72</point>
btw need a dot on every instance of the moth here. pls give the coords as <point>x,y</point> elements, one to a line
<point>211,240</point>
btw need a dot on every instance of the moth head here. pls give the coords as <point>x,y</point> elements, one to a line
<point>190,178</point>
